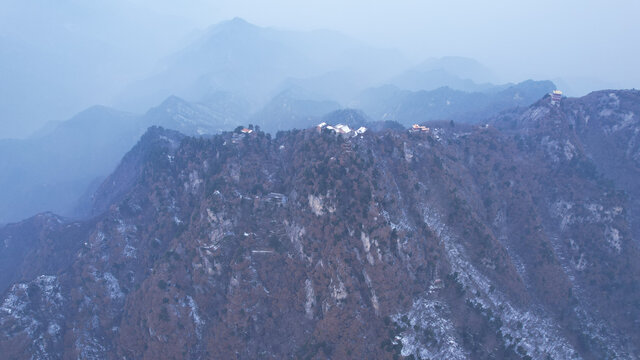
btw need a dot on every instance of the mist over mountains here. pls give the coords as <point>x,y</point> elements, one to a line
<point>248,191</point>
<point>90,62</point>
<point>52,171</point>
<point>69,55</point>
<point>254,62</point>
<point>58,58</point>
<point>239,73</point>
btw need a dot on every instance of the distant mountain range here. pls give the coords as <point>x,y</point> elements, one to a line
<point>408,107</point>
<point>253,62</point>
<point>237,73</point>
<point>458,73</point>
<point>246,64</point>
<point>51,171</point>
<point>58,58</point>
<point>293,108</point>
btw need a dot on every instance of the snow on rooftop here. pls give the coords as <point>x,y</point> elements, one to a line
<point>344,129</point>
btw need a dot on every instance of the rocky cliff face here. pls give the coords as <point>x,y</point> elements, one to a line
<point>503,241</point>
<point>605,125</point>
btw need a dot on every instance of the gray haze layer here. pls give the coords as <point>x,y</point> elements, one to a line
<point>60,57</point>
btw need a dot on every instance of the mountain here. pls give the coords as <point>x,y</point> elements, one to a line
<point>28,244</point>
<point>409,107</point>
<point>356,118</point>
<point>461,67</point>
<point>502,241</point>
<point>221,112</point>
<point>115,187</point>
<point>57,59</point>
<point>457,73</point>
<point>352,117</point>
<point>294,108</point>
<point>604,124</point>
<point>253,63</point>
<point>433,79</point>
<point>50,172</point>
<point>340,86</point>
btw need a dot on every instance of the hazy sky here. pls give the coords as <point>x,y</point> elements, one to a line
<point>518,39</point>
<point>61,56</point>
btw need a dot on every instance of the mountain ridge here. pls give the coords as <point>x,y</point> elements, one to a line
<point>52,171</point>
<point>491,241</point>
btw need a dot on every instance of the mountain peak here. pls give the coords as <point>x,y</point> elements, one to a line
<point>170,102</point>
<point>94,111</point>
<point>239,21</point>
<point>352,117</point>
<point>155,146</point>
<point>236,24</point>
<point>463,67</point>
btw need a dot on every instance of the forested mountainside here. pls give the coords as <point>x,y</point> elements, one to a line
<point>509,240</point>
<point>604,124</point>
